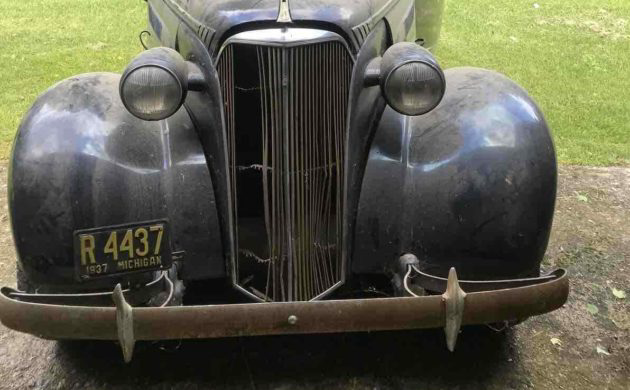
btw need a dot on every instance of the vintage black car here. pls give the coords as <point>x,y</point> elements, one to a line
<point>281,166</point>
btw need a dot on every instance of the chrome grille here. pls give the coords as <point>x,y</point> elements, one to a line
<point>287,158</point>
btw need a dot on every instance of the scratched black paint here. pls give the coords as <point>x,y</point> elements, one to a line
<point>80,161</point>
<point>471,184</point>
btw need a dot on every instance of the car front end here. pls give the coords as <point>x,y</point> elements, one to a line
<point>321,164</point>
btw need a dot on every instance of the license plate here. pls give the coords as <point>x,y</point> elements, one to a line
<point>116,250</point>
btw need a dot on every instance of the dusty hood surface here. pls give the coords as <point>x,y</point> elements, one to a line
<point>348,15</point>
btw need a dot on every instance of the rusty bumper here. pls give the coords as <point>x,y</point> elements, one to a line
<point>128,324</point>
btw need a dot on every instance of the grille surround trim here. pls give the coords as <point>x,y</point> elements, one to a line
<point>284,37</point>
<point>290,38</point>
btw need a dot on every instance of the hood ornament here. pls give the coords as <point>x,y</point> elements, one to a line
<point>284,15</point>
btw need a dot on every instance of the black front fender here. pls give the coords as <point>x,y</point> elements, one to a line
<point>80,161</point>
<point>471,184</point>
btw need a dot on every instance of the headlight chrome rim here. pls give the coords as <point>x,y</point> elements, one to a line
<point>435,68</point>
<point>175,76</point>
<point>425,71</point>
<point>155,116</point>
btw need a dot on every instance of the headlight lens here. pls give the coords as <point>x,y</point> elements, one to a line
<point>151,92</point>
<point>414,88</point>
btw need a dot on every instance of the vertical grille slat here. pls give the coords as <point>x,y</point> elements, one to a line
<point>226,74</point>
<point>291,153</point>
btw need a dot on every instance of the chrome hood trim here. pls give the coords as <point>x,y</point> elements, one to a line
<point>284,13</point>
<point>284,37</point>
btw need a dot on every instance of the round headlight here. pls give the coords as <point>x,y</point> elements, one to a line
<point>412,81</point>
<point>151,93</point>
<point>414,88</point>
<point>153,86</point>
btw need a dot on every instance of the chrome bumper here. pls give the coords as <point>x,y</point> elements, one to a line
<point>127,324</point>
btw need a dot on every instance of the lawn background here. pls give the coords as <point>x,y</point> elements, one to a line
<point>573,56</point>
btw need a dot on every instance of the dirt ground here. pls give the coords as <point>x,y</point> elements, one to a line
<point>585,345</point>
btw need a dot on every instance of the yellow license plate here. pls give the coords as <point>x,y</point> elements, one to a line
<point>122,249</point>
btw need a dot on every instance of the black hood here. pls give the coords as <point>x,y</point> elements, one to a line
<point>353,18</point>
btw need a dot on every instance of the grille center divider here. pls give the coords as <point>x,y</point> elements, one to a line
<point>286,110</point>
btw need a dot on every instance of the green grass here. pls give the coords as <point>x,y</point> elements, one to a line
<point>572,55</point>
<point>45,41</point>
